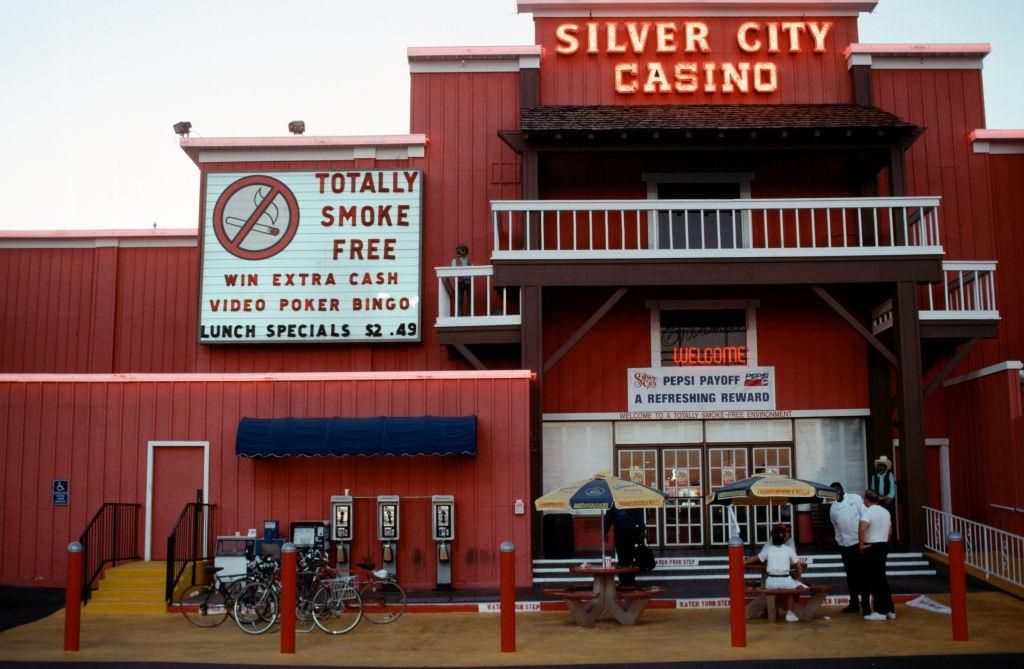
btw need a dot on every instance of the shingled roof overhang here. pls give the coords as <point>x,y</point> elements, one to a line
<point>688,127</point>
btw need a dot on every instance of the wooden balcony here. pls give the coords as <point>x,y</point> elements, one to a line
<point>715,242</point>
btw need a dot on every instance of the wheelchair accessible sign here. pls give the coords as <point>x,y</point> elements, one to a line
<point>61,492</point>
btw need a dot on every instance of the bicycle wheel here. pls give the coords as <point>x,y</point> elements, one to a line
<point>383,601</point>
<point>203,606</point>
<point>304,621</point>
<point>256,608</point>
<point>336,606</point>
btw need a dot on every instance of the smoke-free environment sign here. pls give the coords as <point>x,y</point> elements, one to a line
<point>311,257</point>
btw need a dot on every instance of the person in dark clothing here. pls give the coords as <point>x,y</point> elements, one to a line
<point>629,527</point>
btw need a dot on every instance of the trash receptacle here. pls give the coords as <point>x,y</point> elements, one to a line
<point>558,536</point>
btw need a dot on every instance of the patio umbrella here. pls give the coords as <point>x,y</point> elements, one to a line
<point>601,491</point>
<point>770,489</point>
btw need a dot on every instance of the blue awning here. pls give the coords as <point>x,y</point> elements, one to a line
<point>422,435</point>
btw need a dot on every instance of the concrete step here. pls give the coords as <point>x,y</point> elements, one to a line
<point>716,568</point>
<point>135,587</point>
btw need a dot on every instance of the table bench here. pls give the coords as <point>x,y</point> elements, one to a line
<point>764,600</point>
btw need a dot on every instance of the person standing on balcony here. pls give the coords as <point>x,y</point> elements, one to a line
<point>461,259</point>
<point>846,513</point>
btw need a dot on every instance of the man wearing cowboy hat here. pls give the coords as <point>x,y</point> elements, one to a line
<point>883,482</point>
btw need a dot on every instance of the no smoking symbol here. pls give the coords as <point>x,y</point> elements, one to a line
<point>256,217</point>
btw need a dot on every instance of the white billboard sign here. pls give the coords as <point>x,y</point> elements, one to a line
<point>672,389</point>
<point>311,257</point>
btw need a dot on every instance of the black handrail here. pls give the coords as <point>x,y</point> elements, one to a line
<point>110,537</point>
<point>189,542</point>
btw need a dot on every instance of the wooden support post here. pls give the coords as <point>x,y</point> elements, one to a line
<point>910,399</point>
<point>533,359</point>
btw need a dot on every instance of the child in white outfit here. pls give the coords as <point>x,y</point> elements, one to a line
<point>779,559</point>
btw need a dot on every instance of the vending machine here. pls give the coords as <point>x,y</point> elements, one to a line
<point>443,525</point>
<point>388,524</point>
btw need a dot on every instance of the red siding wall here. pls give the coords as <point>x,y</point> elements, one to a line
<point>1007,173</point>
<point>986,450</point>
<point>588,79</point>
<point>820,361</point>
<point>948,104</point>
<point>469,165</point>
<point>96,435</point>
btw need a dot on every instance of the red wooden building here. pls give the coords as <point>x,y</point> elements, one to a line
<point>705,239</point>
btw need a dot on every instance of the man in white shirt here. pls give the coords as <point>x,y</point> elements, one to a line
<point>875,531</point>
<point>846,513</point>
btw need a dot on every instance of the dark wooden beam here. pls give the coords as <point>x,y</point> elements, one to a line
<point>727,272</point>
<point>913,475</point>
<point>852,321</point>
<point>532,358</point>
<point>961,353</point>
<point>585,328</point>
<point>529,87</point>
<point>531,176</point>
<point>959,329</point>
<point>470,358</point>
<point>897,172</point>
<point>861,75</point>
<point>468,334</point>
<point>880,405</point>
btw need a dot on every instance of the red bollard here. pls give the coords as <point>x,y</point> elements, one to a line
<point>957,586</point>
<point>737,602</point>
<point>287,610</point>
<point>73,598</point>
<point>508,597</point>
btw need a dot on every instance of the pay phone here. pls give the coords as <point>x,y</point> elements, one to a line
<point>443,524</point>
<point>341,529</point>
<point>387,532</point>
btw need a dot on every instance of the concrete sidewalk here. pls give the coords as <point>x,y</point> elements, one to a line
<point>543,639</point>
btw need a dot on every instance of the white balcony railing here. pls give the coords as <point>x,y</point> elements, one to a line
<point>466,297</point>
<point>991,551</point>
<point>601,229</point>
<point>967,291</point>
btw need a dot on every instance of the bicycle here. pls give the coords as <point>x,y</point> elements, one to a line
<point>337,607</point>
<point>208,604</point>
<point>256,606</point>
<point>383,599</point>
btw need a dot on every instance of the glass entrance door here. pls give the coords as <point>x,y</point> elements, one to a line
<point>725,467</point>
<point>773,460</point>
<point>641,465</point>
<point>684,484</point>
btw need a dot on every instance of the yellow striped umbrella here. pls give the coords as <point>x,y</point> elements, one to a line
<point>772,489</point>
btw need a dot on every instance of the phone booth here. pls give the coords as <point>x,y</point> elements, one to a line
<point>443,524</point>
<point>341,529</point>
<point>387,532</point>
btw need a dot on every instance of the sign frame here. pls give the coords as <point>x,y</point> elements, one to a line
<point>358,339</point>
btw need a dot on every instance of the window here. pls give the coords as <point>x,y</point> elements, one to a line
<point>703,337</point>
<point>700,228</point>
<point>703,332</point>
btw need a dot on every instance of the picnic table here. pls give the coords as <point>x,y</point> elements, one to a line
<point>624,603</point>
<point>763,599</point>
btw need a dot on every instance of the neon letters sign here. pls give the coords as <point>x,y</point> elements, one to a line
<point>651,44</point>
<point>711,355</point>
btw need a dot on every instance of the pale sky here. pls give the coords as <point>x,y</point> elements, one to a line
<point>92,87</point>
